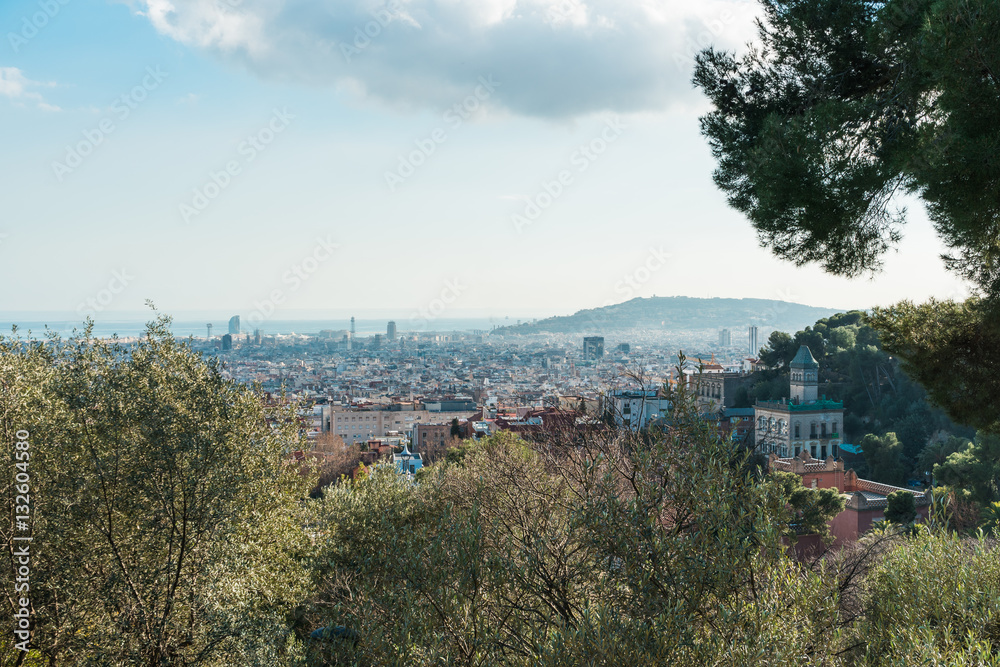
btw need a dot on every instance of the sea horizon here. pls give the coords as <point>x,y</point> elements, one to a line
<point>184,328</point>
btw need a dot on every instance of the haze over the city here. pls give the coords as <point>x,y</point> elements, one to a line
<point>205,154</point>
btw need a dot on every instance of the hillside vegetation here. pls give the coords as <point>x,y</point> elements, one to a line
<point>678,313</point>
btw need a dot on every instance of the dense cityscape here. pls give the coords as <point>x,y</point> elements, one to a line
<point>500,333</point>
<point>442,376</point>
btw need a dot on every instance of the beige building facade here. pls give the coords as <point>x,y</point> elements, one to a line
<point>357,425</point>
<point>805,421</point>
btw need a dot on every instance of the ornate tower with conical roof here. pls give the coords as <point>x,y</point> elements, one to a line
<point>805,377</point>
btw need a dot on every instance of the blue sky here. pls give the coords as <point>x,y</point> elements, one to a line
<point>247,152</point>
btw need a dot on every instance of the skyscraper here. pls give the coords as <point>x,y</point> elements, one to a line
<point>234,325</point>
<point>593,347</point>
<point>353,330</point>
<point>390,331</point>
<point>227,342</point>
<point>725,338</point>
<point>754,346</point>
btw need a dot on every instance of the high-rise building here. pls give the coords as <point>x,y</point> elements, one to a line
<point>234,325</point>
<point>227,342</point>
<point>390,331</point>
<point>754,343</point>
<point>593,347</point>
<point>725,338</point>
<point>209,327</point>
<point>377,343</point>
<point>353,330</point>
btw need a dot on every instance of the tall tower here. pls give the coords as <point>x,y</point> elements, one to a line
<point>805,377</point>
<point>234,325</point>
<point>390,331</point>
<point>754,344</point>
<point>209,327</point>
<point>353,330</point>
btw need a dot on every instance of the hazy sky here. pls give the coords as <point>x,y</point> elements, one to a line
<point>497,156</point>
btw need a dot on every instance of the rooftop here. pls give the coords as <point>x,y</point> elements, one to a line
<point>804,359</point>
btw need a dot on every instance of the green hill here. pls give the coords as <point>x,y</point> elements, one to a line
<point>679,313</point>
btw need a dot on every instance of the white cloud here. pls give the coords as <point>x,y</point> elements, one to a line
<point>552,57</point>
<point>17,87</point>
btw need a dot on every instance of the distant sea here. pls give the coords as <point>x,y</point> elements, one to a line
<point>181,328</point>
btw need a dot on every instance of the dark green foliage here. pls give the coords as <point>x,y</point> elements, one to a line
<point>884,456</point>
<point>779,350</point>
<point>938,452</point>
<point>902,508</point>
<point>848,103</point>
<point>810,510</point>
<point>975,469</point>
<point>843,106</point>
<point>951,349</point>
